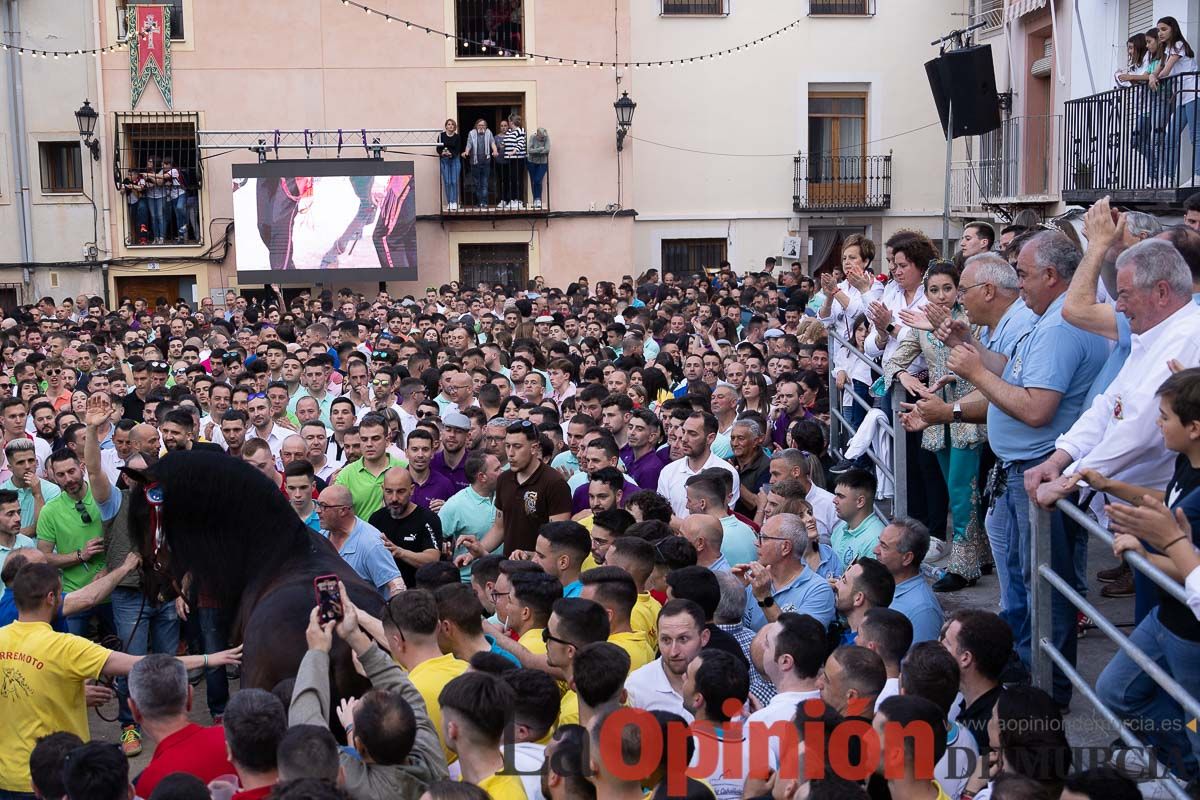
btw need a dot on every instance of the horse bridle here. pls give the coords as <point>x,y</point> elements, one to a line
<point>154,498</point>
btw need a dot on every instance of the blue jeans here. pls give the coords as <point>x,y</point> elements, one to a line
<point>451,170</point>
<point>158,222</point>
<point>1129,692</point>
<point>7,795</point>
<point>80,624</point>
<point>214,633</point>
<point>1186,117</point>
<point>181,215</point>
<point>158,632</point>
<point>537,173</point>
<point>480,173</point>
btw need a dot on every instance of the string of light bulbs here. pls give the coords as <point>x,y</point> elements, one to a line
<point>502,52</point>
<point>484,47</point>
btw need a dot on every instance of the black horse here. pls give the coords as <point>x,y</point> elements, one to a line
<point>224,524</point>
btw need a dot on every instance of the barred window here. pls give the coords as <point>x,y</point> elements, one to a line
<point>691,256</point>
<point>176,7</point>
<point>489,28</point>
<point>506,263</point>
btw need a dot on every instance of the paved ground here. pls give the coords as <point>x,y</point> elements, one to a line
<point>1086,728</point>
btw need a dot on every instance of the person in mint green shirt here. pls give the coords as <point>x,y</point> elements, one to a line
<point>471,511</point>
<point>708,493</point>
<point>854,501</point>
<point>70,528</point>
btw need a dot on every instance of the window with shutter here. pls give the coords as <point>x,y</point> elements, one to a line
<point>1140,17</point>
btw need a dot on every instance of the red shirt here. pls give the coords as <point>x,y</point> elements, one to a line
<point>254,794</point>
<point>196,750</point>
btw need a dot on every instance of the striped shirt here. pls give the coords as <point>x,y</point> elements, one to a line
<point>514,143</point>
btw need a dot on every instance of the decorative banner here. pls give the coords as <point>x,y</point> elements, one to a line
<point>149,38</point>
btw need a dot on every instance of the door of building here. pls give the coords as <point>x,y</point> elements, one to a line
<point>148,287</point>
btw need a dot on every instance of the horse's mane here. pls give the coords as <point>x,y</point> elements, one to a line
<point>225,523</point>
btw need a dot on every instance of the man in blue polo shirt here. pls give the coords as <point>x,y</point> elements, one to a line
<point>779,581</point>
<point>357,542</point>
<point>902,547</point>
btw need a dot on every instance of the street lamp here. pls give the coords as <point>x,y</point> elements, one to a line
<point>86,118</point>
<point>624,108</point>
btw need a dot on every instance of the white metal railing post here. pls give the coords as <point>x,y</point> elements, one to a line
<point>899,456</point>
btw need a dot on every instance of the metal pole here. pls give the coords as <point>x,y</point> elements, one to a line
<point>834,400</point>
<point>1040,596</point>
<point>899,455</point>
<point>946,195</point>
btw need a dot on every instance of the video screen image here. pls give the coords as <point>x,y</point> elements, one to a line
<point>299,220</point>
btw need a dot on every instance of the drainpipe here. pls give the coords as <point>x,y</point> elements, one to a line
<point>106,185</point>
<point>16,104</point>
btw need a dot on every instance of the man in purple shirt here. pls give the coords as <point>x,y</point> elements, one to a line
<point>599,453</point>
<point>615,414</point>
<point>785,409</point>
<point>451,462</point>
<point>430,489</point>
<point>644,431</point>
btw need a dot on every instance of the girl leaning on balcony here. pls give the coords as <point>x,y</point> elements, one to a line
<point>1135,75</point>
<point>1179,60</point>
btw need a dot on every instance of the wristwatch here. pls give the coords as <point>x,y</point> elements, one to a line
<point>79,555</point>
<point>958,412</point>
<point>767,601</point>
<point>891,327</point>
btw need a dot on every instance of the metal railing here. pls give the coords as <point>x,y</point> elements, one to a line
<point>489,29</point>
<point>1018,162</point>
<point>897,471</point>
<point>841,183</point>
<point>1045,656</point>
<point>683,8</point>
<point>472,203</point>
<point>841,8</point>
<point>1130,140</point>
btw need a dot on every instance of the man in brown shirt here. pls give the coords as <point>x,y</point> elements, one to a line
<point>528,495</point>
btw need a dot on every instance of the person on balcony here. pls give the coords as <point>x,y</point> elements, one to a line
<point>1179,60</point>
<point>481,152</point>
<point>538,163</point>
<point>1143,52</point>
<point>514,145</point>
<point>449,146</point>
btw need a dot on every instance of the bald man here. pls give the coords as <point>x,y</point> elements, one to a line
<point>410,532</point>
<point>293,448</point>
<point>358,542</point>
<point>143,438</point>
<point>706,534</point>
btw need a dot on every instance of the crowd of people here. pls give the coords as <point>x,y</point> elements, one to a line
<point>611,539</point>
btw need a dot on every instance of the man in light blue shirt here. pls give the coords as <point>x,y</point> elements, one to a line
<point>708,493</point>
<point>22,460</point>
<point>902,547</point>
<point>472,510</point>
<point>359,543</point>
<point>779,581</point>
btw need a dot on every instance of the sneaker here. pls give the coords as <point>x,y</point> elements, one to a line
<point>1082,623</point>
<point>953,582</point>
<point>845,465</point>
<point>1112,574</point>
<point>1122,587</point>
<point>1139,764</point>
<point>131,741</point>
<point>937,551</point>
<point>537,204</point>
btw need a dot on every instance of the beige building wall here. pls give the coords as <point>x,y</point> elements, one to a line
<point>263,66</point>
<point>62,227</point>
<point>753,106</point>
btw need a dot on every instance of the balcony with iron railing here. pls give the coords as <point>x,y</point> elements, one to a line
<point>1130,143</point>
<point>503,190</point>
<point>1017,164</point>
<point>841,183</point>
<point>841,8</point>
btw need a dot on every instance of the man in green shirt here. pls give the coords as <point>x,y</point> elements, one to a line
<point>854,501</point>
<point>70,527</point>
<point>364,477</point>
<point>472,510</point>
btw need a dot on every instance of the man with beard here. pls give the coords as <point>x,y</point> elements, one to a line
<point>431,489</point>
<point>44,432</point>
<point>233,431</point>
<point>70,528</point>
<point>451,461</point>
<point>411,533</point>
<point>682,634</point>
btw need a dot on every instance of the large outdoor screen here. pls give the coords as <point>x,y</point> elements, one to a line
<point>325,220</point>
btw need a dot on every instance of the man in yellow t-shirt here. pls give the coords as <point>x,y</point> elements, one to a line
<point>475,706</point>
<point>636,557</point>
<point>42,673</point>
<point>614,589</point>
<point>412,639</point>
<point>574,623</point>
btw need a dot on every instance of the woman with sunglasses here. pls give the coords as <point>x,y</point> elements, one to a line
<point>959,445</point>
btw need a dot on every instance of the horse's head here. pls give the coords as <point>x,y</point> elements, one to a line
<point>213,517</point>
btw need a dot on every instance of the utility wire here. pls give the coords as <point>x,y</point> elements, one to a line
<point>780,155</point>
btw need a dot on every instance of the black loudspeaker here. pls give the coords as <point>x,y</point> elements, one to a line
<point>966,80</point>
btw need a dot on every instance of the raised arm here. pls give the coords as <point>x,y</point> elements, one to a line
<point>1080,307</point>
<point>99,410</point>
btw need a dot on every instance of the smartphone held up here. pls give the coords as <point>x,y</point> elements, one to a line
<point>329,598</point>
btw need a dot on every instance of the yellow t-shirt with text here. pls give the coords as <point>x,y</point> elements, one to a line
<point>41,692</point>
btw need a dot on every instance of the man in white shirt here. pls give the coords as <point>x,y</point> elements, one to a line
<point>889,633</point>
<point>698,434</point>
<point>658,686</point>
<point>1118,436</point>
<point>264,427</point>
<point>793,654</point>
<point>791,464</point>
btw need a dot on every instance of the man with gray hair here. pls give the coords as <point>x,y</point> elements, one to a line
<point>902,547</point>
<point>160,699</point>
<point>1118,436</point>
<point>1033,397</point>
<point>780,581</point>
<point>752,464</point>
